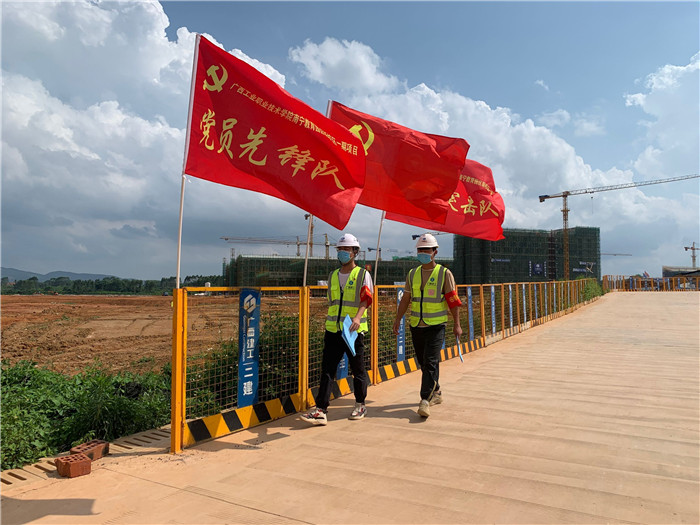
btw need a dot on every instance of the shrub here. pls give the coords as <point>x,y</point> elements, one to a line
<point>44,412</point>
<point>591,289</point>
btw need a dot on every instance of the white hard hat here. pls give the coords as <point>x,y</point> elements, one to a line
<point>348,239</point>
<point>427,241</point>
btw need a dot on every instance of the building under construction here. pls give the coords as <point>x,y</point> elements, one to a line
<point>254,270</point>
<point>524,255</point>
<point>527,255</point>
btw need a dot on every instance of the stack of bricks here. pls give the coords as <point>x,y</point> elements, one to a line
<point>79,463</point>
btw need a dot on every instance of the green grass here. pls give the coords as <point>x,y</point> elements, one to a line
<point>44,412</point>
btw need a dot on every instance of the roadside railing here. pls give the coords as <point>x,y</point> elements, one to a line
<point>245,356</point>
<point>622,283</point>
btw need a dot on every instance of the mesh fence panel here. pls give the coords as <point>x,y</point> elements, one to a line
<point>212,353</point>
<point>385,303</point>
<point>318,308</point>
<point>279,344</point>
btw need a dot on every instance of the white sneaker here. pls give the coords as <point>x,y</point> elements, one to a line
<point>358,412</point>
<point>424,408</point>
<point>315,417</point>
<point>436,398</point>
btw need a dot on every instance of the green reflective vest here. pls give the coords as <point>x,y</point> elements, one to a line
<point>428,304</point>
<point>347,302</point>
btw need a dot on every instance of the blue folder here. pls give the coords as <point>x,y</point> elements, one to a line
<point>348,336</point>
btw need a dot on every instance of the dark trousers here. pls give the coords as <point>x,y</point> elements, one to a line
<point>334,347</point>
<point>427,342</point>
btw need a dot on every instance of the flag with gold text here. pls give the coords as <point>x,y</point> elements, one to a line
<point>245,131</point>
<point>408,172</point>
<point>475,207</point>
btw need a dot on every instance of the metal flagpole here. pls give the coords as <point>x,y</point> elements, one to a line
<point>308,243</point>
<point>184,160</point>
<point>179,231</point>
<point>376,260</point>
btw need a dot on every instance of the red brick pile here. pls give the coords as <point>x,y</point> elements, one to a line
<point>79,462</point>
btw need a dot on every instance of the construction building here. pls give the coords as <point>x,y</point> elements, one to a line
<point>523,256</point>
<point>527,255</point>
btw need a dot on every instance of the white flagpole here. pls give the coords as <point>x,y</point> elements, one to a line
<point>376,260</point>
<point>184,160</point>
<point>308,243</point>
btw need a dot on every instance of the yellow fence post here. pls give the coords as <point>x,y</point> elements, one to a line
<point>503,311</point>
<point>483,321</point>
<point>517,305</point>
<point>374,341</point>
<point>304,309</point>
<point>177,401</point>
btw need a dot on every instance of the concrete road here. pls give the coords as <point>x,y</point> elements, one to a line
<point>591,418</point>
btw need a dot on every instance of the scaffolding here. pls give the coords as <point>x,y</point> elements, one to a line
<point>526,256</point>
<point>254,270</point>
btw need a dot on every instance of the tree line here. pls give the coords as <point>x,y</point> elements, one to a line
<point>107,285</point>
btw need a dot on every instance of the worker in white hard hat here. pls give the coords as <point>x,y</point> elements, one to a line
<point>349,294</point>
<point>431,293</point>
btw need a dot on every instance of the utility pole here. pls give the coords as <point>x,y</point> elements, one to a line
<point>692,252</point>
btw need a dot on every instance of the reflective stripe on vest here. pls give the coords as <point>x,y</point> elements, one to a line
<point>347,303</point>
<point>428,304</point>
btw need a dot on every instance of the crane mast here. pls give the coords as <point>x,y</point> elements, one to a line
<point>565,208</point>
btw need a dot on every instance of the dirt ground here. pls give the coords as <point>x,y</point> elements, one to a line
<point>67,333</point>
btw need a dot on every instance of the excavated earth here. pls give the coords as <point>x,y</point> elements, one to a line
<point>68,333</point>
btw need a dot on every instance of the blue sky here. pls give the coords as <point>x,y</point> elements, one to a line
<point>552,96</point>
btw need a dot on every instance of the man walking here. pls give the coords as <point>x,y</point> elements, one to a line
<point>349,293</point>
<point>431,292</point>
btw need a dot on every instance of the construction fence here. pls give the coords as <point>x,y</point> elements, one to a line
<point>623,283</point>
<point>245,356</point>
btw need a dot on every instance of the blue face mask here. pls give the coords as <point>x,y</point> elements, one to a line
<point>343,257</point>
<point>424,258</point>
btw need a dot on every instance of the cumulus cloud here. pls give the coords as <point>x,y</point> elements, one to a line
<point>93,148</point>
<point>672,122</point>
<point>343,65</point>
<point>542,84</point>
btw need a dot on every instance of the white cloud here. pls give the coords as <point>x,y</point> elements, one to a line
<point>343,65</point>
<point>588,126</point>
<point>265,69</point>
<point>542,84</point>
<point>672,106</point>
<point>554,119</point>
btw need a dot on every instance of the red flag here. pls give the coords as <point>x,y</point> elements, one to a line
<point>476,208</point>
<point>246,131</point>
<point>408,172</point>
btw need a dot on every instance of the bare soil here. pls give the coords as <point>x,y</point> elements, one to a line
<point>68,333</point>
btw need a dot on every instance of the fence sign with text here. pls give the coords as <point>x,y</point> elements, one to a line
<point>248,346</point>
<point>401,337</point>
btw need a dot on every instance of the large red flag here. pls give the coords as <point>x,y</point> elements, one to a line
<point>476,208</point>
<point>408,172</point>
<point>246,131</point>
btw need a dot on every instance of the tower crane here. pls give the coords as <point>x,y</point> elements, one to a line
<point>565,208</point>
<point>692,252</point>
<point>264,240</point>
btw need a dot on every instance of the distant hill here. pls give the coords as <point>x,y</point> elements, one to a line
<point>21,275</point>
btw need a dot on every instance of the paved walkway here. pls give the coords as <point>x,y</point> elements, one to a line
<point>591,418</point>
